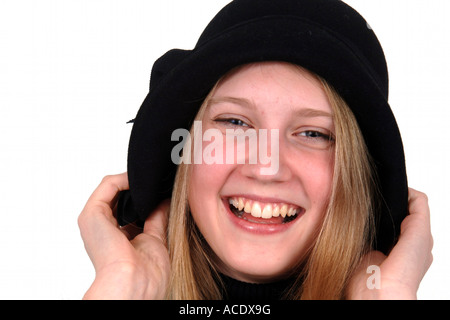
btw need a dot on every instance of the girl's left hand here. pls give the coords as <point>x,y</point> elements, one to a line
<point>400,273</point>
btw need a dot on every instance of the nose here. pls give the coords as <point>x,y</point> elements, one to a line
<point>272,164</point>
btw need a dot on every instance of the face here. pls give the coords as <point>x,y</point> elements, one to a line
<point>260,226</point>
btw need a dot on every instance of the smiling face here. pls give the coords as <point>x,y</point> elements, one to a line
<point>260,227</point>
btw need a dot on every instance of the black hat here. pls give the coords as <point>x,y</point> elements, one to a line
<point>326,37</point>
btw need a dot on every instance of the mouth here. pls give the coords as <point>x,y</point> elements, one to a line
<point>264,212</point>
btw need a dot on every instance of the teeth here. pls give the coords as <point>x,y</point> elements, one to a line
<point>256,210</point>
<point>267,211</point>
<point>283,210</point>
<point>248,207</point>
<point>276,211</point>
<point>240,205</point>
<point>291,212</point>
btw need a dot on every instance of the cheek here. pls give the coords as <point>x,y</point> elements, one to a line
<point>206,182</point>
<point>205,203</point>
<point>208,177</point>
<point>316,172</point>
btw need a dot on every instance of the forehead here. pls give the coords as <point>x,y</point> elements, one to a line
<point>273,83</point>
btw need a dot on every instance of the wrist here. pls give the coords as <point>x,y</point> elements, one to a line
<point>384,293</point>
<point>120,283</point>
<point>396,294</point>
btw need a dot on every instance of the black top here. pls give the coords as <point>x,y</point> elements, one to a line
<point>238,290</point>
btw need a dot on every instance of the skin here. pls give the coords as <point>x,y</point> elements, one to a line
<point>304,178</point>
<point>134,264</point>
<point>129,263</point>
<point>402,271</point>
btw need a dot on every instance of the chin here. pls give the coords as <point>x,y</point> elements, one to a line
<point>262,265</point>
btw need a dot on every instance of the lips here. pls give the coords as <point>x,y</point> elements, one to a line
<point>264,212</point>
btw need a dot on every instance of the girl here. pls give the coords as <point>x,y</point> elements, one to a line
<point>313,73</point>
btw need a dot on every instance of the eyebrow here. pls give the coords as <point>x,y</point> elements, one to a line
<point>304,112</point>
<point>239,101</point>
<point>313,113</point>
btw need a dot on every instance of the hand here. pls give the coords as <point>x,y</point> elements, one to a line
<point>401,272</point>
<point>127,267</point>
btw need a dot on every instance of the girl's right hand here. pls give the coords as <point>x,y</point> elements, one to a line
<point>126,267</point>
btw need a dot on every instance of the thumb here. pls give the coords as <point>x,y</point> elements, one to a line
<point>156,223</point>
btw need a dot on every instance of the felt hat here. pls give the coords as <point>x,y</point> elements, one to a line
<point>327,37</point>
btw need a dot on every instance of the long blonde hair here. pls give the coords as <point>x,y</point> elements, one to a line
<point>345,235</point>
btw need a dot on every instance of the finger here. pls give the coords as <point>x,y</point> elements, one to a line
<point>418,202</point>
<point>156,223</point>
<point>109,188</point>
<point>418,219</point>
<point>92,218</point>
<point>131,230</point>
<point>416,242</point>
<point>419,206</point>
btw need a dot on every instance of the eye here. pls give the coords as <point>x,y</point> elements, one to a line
<point>316,138</point>
<point>232,122</point>
<point>315,135</point>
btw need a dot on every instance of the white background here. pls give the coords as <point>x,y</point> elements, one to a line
<point>72,72</point>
